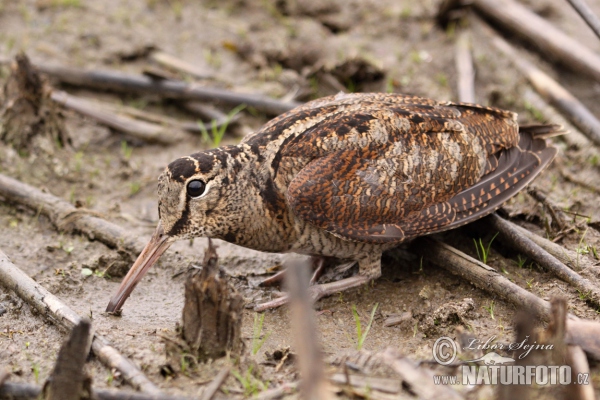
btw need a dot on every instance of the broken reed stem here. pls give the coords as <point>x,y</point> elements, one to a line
<point>59,313</point>
<point>568,257</point>
<point>574,179</point>
<point>173,63</point>
<point>464,68</point>
<point>542,34</point>
<point>146,131</point>
<point>66,382</point>
<point>558,216</point>
<point>552,91</point>
<point>574,138</point>
<point>26,391</point>
<point>163,120</point>
<point>417,380</point>
<point>172,89</point>
<point>215,384</point>
<point>587,14</point>
<point>310,361</point>
<point>479,274</point>
<point>65,217</point>
<point>530,249</point>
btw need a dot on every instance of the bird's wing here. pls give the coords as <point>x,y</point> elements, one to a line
<point>361,194</point>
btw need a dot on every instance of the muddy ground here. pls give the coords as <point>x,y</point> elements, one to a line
<point>275,48</point>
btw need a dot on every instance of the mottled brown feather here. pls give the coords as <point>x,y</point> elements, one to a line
<point>381,174</point>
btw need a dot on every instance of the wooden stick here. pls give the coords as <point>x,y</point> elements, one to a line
<point>479,274</point>
<point>66,382</point>
<point>585,334</point>
<point>50,306</point>
<point>66,217</point>
<point>139,84</point>
<point>148,132</point>
<point>542,34</point>
<point>212,311</point>
<point>193,127</point>
<point>558,216</point>
<point>464,68</point>
<point>544,259</point>
<point>26,391</point>
<point>174,63</point>
<point>418,381</point>
<point>278,392</point>
<point>574,138</point>
<point>552,91</point>
<point>587,14</point>
<point>568,257</point>
<point>579,181</point>
<point>579,367</point>
<point>310,361</point>
<point>215,384</point>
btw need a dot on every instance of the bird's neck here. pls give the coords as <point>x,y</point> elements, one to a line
<point>258,215</point>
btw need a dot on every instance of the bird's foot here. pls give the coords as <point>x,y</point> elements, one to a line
<point>318,263</point>
<point>317,292</point>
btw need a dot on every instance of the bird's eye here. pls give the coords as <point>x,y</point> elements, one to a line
<point>196,188</point>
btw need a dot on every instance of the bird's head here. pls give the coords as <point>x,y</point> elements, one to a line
<point>192,202</point>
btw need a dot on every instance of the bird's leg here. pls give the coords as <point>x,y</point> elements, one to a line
<point>317,263</point>
<point>369,269</point>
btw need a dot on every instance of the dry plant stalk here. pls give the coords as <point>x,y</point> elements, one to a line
<point>65,217</point>
<point>313,386</point>
<point>212,313</point>
<point>50,306</point>
<point>542,34</point>
<point>552,91</point>
<point>464,68</point>
<point>544,259</point>
<point>68,378</point>
<point>171,89</point>
<point>149,132</point>
<point>26,111</point>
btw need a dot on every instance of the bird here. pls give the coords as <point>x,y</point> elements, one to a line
<point>347,176</point>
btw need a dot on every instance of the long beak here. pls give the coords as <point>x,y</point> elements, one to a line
<point>153,250</point>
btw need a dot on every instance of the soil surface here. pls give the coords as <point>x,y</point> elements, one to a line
<point>279,48</point>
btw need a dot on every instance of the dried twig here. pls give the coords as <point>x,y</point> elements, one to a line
<point>139,84</point>
<point>552,91</point>
<point>386,385</point>
<point>479,274</point>
<point>278,392</point>
<point>587,14</point>
<point>557,215</point>
<point>568,257</point>
<point>59,313</point>
<point>393,320</point>
<point>65,216</point>
<point>418,381</point>
<point>542,34</point>
<point>585,334</point>
<point>146,131</point>
<point>310,362</point>
<point>574,179</point>
<point>544,259</point>
<point>579,367</point>
<point>25,391</point>
<point>153,117</point>
<point>66,382</point>
<point>574,138</point>
<point>464,68</point>
<point>174,63</point>
<point>212,312</point>
<point>215,384</point>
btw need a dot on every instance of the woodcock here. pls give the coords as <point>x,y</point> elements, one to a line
<point>347,176</point>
